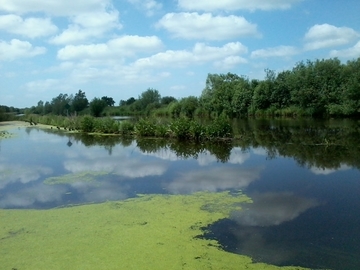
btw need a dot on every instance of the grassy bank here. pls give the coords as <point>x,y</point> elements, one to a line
<point>182,128</point>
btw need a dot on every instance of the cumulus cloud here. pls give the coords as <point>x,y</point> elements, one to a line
<point>213,180</point>
<point>29,27</point>
<point>35,194</point>
<point>96,161</point>
<point>39,86</point>
<point>15,49</point>
<point>270,209</point>
<point>326,171</point>
<point>325,35</point>
<point>206,26</point>
<point>280,51</point>
<point>114,48</point>
<point>56,8</point>
<point>22,174</point>
<point>149,6</point>
<point>86,26</point>
<point>352,52</point>
<point>236,4</point>
<point>201,53</point>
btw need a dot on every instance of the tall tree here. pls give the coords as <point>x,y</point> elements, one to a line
<point>108,100</point>
<point>60,103</point>
<point>150,96</point>
<point>97,106</point>
<point>80,102</point>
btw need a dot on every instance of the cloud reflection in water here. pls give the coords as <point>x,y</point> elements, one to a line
<point>214,179</point>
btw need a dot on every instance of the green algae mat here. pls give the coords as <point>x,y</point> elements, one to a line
<point>148,232</point>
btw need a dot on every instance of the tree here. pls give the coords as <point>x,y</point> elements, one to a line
<point>60,103</point>
<point>167,100</point>
<point>97,106</point>
<point>80,102</point>
<point>150,96</point>
<point>189,105</point>
<point>108,100</point>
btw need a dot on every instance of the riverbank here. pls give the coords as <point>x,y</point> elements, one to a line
<point>7,126</point>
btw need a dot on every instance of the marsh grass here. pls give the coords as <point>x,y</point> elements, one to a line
<point>181,128</point>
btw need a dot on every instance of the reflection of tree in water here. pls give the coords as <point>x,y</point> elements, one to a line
<point>312,143</point>
<point>186,149</point>
<point>151,145</point>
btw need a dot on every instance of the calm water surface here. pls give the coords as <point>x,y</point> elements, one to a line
<point>303,178</point>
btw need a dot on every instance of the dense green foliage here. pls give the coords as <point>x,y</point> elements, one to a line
<point>8,113</point>
<point>321,88</point>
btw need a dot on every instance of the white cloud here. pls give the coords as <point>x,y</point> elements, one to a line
<point>230,62</point>
<point>15,49</point>
<point>56,8</point>
<point>119,47</point>
<point>270,209</point>
<point>325,35</point>
<point>352,52</point>
<point>326,171</point>
<point>215,179</point>
<point>30,27</point>
<point>87,26</point>
<point>149,6</point>
<point>40,86</point>
<point>206,26</point>
<point>31,195</point>
<point>20,173</point>
<point>280,51</point>
<point>200,54</point>
<point>236,4</point>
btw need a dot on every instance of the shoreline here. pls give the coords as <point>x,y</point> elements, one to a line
<point>7,126</point>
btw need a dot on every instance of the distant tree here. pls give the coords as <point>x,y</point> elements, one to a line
<point>60,103</point>
<point>97,106</point>
<point>39,109</point>
<point>108,100</point>
<point>80,102</point>
<point>130,101</point>
<point>47,107</point>
<point>150,96</point>
<point>167,100</point>
<point>189,105</point>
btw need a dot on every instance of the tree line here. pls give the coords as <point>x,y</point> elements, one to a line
<point>321,88</point>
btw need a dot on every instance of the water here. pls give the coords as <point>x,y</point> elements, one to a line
<point>303,178</point>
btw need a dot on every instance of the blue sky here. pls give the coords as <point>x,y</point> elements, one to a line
<point>120,48</point>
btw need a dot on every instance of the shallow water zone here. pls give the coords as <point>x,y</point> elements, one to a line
<point>286,194</point>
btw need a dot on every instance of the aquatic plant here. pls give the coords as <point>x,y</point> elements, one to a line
<point>148,232</point>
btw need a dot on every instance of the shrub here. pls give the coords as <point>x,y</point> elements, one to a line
<point>127,128</point>
<point>180,128</point>
<point>145,127</point>
<point>107,125</point>
<point>219,128</point>
<point>88,124</point>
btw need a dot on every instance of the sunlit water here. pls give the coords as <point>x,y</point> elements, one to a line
<point>306,200</point>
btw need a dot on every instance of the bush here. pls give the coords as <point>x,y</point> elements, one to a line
<point>88,124</point>
<point>127,128</point>
<point>145,127</point>
<point>219,128</point>
<point>180,128</point>
<point>107,125</point>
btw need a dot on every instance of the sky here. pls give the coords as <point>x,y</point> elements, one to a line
<point>121,48</point>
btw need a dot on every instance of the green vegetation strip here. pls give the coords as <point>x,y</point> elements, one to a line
<point>74,178</point>
<point>149,232</point>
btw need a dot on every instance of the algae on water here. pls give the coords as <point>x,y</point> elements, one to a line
<point>74,178</point>
<point>148,232</point>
